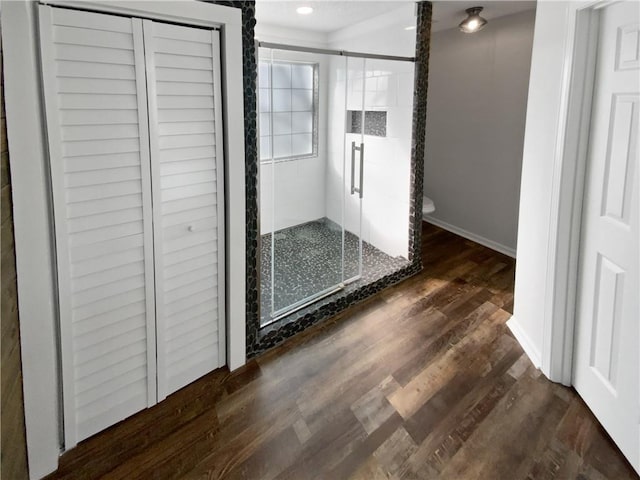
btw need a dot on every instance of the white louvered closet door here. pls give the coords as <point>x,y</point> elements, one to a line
<point>183,77</point>
<point>95,98</point>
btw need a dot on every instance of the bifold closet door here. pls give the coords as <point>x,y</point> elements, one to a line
<point>183,78</point>
<point>95,99</point>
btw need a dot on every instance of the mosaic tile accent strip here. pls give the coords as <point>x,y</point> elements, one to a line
<point>375,122</point>
<point>423,39</point>
<point>249,84</point>
<point>308,260</point>
<point>260,340</point>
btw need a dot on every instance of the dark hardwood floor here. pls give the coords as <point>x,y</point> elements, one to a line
<point>423,381</point>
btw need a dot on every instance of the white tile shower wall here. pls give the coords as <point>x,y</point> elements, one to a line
<point>388,86</point>
<point>293,191</point>
<point>299,193</point>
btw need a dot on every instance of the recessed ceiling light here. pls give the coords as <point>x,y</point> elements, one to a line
<point>304,10</point>
<point>410,27</point>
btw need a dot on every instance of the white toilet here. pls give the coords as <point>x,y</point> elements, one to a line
<point>427,206</point>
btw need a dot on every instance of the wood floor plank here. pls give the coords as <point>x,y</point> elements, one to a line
<point>450,334</point>
<point>327,448</point>
<point>421,382</point>
<point>175,454</point>
<point>236,450</point>
<point>446,409</point>
<point>499,448</point>
<point>364,448</point>
<point>267,461</point>
<point>417,392</point>
<point>373,408</point>
<point>370,470</point>
<point>395,451</point>
<point>347,381</point>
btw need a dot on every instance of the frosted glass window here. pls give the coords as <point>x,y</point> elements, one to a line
<point>263,76</point>
<point>281,146</point>
<point>265,148</point>
<point>282,123</point>
<point>281,75</point>
<point>301,100</point>
<point>302,122</point>
<point>288,109</point>
<point>281,99</point>
<point>299,143</point>
<point>301,76</point>
<point>265,124</point>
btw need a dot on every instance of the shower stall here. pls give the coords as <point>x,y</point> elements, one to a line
<point>335,163</point>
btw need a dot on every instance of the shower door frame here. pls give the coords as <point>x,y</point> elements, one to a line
<point>281,313</point>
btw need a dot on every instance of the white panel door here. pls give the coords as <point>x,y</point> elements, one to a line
<point>94,81</point>
<point>607,363</point>
<point>183,76</point>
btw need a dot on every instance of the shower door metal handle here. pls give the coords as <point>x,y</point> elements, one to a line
<point>361,169</point>
<point>353,168</point>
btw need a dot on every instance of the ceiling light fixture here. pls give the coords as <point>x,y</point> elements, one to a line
<point>474,22</point>
<point>304,10</point>
<point>410,27</point>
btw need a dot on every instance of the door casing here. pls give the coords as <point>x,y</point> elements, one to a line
<point>35,257</point>
<point>568,189</point>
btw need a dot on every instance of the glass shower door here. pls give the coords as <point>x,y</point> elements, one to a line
<point>353,168</point>
<point>303,226</point>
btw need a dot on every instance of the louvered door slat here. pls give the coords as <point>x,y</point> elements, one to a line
<point>189,254</point>
<point>100,132</point>
<point>126,313</point>
<point>186,166</point>
<point>100,249</point>
<point>96,162</point>
<point>95,98</point>
<point>176,75</point>
<point>96,379</point>
<point>96,85</point>
<point>100,176</point>
<point>87,53</point>
<point>187,153</point>
<point>176,312</point>
<point>185,88</point>
<point>187,173</point>
<point>98,117</point>
<point>93,37</point>
<point>91,69</point>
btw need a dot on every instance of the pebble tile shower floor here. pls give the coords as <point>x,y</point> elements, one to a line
<point>308,259</point>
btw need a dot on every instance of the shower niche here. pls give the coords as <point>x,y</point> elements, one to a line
<point>375,122</point>
<point>335,163</point>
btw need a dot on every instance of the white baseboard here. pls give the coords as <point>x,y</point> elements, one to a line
<point>525,342</point>
<point>498,247</point>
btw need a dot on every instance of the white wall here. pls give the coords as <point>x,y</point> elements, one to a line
<point>388,87</point>
<point>384,35</point>
<point>540,171</point>
<point>476,111</point>
<point>293,191</point>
